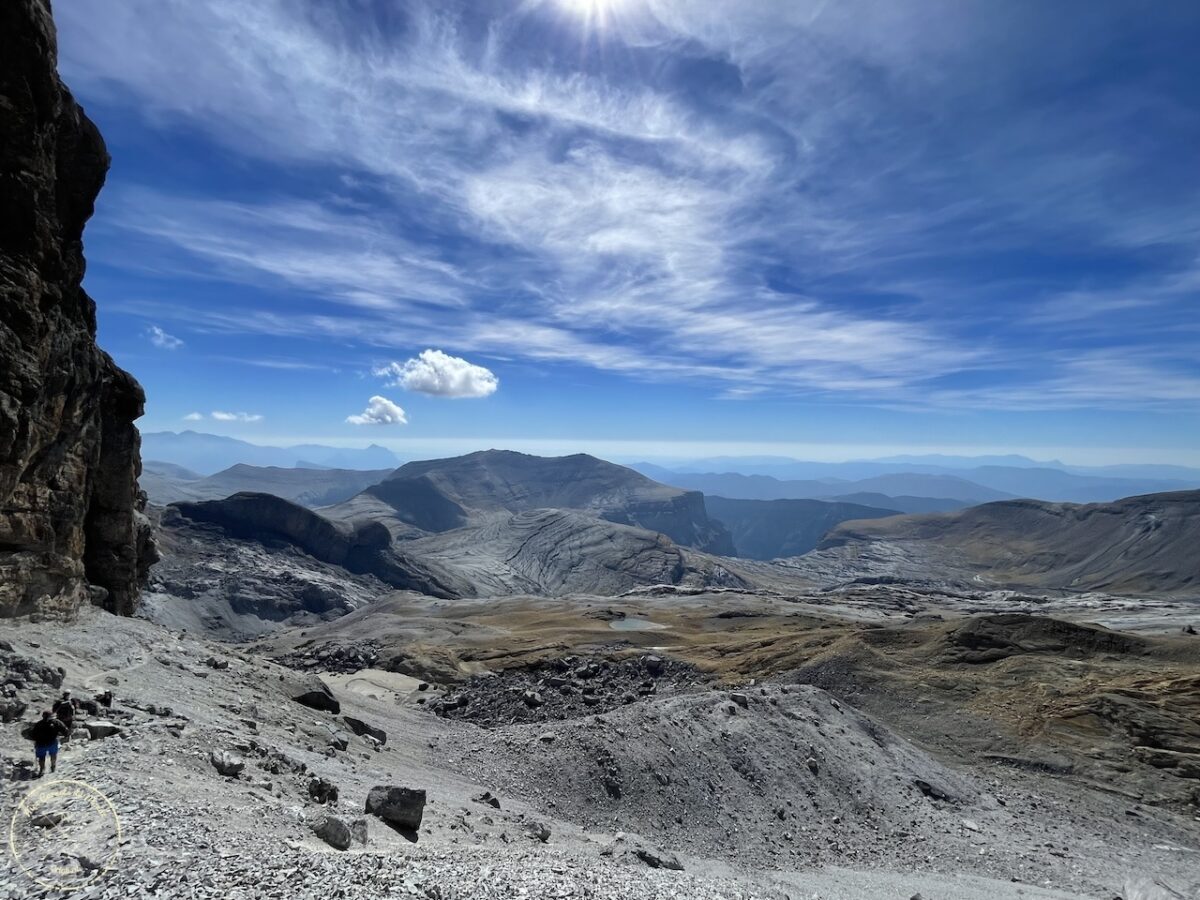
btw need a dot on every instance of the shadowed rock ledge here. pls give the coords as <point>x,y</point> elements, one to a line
<point>71,528</point>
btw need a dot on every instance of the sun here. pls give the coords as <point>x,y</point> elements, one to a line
<point>594,12</point>
<point>591,7</point>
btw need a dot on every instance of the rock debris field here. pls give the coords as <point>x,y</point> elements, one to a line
<point>225,785</point>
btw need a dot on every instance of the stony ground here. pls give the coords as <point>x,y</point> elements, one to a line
<point>575,806</point>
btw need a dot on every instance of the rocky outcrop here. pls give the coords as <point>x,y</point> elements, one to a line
<point>365,550</point>
<point>70,522</point>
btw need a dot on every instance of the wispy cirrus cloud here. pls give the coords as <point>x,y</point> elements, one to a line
<point>803,198</point>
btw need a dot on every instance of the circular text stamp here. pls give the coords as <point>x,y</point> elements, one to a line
<point>64,834</point>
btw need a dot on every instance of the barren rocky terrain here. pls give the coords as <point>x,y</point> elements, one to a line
<point>507,676</point>
<point>712,784</point>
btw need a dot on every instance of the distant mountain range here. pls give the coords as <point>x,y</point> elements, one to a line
<point>910,483</point>
<point>167,483</point>
<point>498,523</point>
<point>900,502</point>
<point>783,467</point>
<point>765,487</point>
<point>793,479</point>
<point>206,454</point>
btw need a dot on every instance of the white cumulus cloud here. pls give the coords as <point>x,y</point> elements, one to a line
<point>236,416</point>
<point>379,411</point>
<point>193,417</point>
<point>162,340</point>
<point>440,375</point>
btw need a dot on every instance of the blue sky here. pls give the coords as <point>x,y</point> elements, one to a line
<point>706,223</point>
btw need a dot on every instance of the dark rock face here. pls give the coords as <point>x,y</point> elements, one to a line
<point>70,521</point>
<point>365,549</point>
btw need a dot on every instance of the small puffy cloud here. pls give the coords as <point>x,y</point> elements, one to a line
<point>379,411</point>
<point>162,340</point>
<point>440,375</point>
<point>236,416</point>
<point>193,417</point>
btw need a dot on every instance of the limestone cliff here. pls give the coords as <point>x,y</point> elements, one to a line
<point>70,524</point>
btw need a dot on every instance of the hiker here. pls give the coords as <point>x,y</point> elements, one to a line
<point>64,710</point>
<point>45,734</point>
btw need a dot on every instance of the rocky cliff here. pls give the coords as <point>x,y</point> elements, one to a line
<point>363,550</point>
<point>70,525</point>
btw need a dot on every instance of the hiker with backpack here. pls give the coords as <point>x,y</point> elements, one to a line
<point>45,734</point>
<point>64,711</point>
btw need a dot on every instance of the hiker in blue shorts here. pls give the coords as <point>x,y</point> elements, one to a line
<point>45,734</point>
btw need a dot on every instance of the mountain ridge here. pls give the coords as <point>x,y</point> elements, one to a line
<point>443,494</point>
<point>1142,545</point>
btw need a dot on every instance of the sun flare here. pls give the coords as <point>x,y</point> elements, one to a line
<point>594,11</point>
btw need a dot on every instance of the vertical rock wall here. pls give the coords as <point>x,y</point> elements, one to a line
<point>70,522</point>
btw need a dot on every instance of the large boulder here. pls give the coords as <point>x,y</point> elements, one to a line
<point>11,708</point>
<point>333,831</point>
<point>71,523</point>
<point>398,806</point>
<point>101,729</point>
<point>322,790</point>
<point>227,763</point>
<point>362,729</point>
<point>315,694</point>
